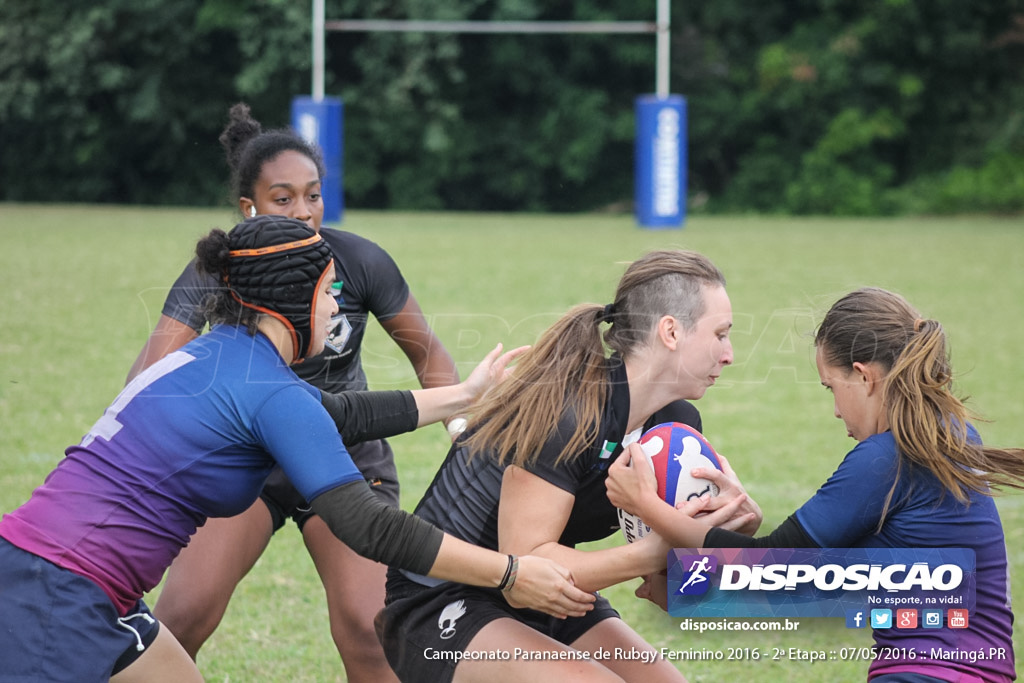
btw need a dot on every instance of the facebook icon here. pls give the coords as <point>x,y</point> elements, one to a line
<point>855,618</point>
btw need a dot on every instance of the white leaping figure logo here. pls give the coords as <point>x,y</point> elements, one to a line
<point>449,615</point>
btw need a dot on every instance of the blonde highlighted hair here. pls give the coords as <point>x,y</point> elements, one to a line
<point>565,373</point>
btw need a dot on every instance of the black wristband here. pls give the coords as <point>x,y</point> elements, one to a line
<point>508,573</point>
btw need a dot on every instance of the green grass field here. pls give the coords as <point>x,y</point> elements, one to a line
<point>82,287</point>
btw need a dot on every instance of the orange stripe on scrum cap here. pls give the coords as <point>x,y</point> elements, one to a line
<point>262,251</point>
<point>274,314</point>
<point>312,307</point>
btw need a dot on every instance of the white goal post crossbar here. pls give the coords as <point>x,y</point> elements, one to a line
<point>660,27</point>
<point>419,26</point>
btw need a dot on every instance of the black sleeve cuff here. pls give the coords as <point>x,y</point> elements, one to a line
<point>376,530</point>
<point>368,415</point>
<point>789,534</point>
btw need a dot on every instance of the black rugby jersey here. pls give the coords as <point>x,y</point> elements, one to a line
<point>463,497</point>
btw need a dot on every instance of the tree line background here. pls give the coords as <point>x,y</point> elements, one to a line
<point>844,107</point>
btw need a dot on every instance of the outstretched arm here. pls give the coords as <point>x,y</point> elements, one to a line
<point>390,535</point>
<point>429,358</point>
<point>365,415</point>
<point>440,403</point>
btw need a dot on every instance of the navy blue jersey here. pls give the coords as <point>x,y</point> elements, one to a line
<point>845,512</point>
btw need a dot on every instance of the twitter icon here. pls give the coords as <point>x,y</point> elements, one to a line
<point>881,618</point>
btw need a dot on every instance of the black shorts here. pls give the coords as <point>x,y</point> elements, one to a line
<point>424,629</point>
<point>375,460</point>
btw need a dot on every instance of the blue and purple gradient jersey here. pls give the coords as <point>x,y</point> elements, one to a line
<point>845,513</point>
<point>192,437</point>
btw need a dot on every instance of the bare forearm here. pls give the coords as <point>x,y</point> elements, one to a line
<point>440,403</point>
<point>429,358</point>
<point>436,368</point>
<point>676,528</point>
<point>468,563</point>
<point>597,569</point>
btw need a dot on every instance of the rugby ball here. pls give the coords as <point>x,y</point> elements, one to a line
<point>673,449</point>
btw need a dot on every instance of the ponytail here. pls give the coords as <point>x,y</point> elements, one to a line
<point>563,374</point>
<point>928,421</point>
<point>248,148</point>
<point>930,424</point>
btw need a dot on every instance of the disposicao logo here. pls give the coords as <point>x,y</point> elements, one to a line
<point>823,582</point>
<point>696,580</point>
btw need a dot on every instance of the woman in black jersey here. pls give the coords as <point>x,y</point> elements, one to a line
<point>277,172</point>
<point>528,476</point>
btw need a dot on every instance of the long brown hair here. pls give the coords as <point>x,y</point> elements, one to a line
<point>928,422</point>
<point>565,374</point>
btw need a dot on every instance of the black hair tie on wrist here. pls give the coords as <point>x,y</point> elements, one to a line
<point>605,314</point>
<point>510,574</point>
<point>504,585</point>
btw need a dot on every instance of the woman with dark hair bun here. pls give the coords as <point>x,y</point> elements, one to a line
<point>278,172</point>
<point>194,437</point>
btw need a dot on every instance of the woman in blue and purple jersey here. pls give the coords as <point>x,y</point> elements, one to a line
<point>919,477</point>
<point>195,436</point>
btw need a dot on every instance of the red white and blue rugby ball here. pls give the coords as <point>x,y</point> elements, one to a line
<point>673,449</point>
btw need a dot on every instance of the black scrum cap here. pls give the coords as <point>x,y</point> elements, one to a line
<point>276,265</point>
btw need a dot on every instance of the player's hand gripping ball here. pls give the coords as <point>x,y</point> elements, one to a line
<point>673,449</point>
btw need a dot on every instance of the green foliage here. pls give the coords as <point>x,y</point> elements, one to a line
<point>833,106</point>
<point>123,100</point>
<point>842,174</point>
<point>810,106</point>
<point>995,187</point>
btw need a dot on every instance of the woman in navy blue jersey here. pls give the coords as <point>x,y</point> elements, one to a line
<point>919,477</point>
<point>277,172</point>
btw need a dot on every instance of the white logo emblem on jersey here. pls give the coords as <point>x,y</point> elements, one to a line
<point>339,334</point>
<point>449,615</point>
